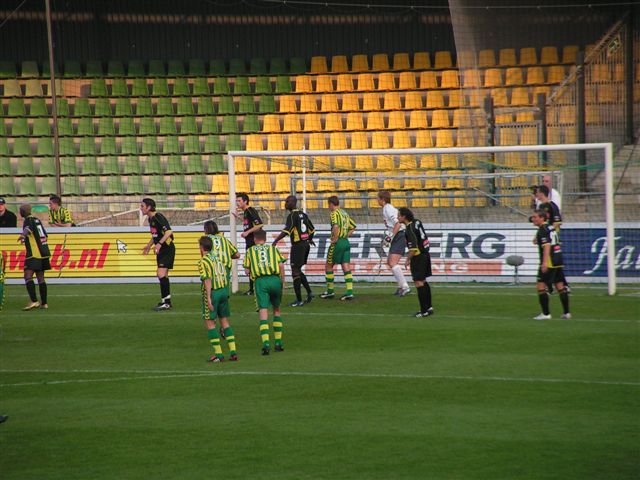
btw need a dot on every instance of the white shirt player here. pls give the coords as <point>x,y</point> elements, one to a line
<point>390,214</point>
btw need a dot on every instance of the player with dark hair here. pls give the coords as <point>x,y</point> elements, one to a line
<point>34,238</point>
<point>164,248</point>
<point>342,226</point>
<point>419,259</point>
<point>548,206</point>
<point>251,223</point>
<point>222,246</point>
<point>215,299</point>
<point>59,216</point>
<point>550,271</point>
<point>300,230</point>
<point>265,265</point>
<point>396,240</point>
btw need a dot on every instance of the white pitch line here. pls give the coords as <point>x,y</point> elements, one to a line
<point>314,374</point>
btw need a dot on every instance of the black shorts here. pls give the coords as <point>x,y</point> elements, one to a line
<point>551,276</point>
<point>166,256</point>
<point>421,267</point>
<point>299,253</point>
<point>37,264</point>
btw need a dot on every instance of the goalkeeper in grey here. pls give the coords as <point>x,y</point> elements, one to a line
<point>395,237</point>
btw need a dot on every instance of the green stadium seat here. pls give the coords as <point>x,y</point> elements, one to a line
<point>87,146</point>
<point>119,88</point>
<point>174,164</point>
<point>188,126</point>
<point>29,69</point>
<point>167,126</point>
<point>283,85</point>
<point>94,69</point>
<point>181,87</point>
<point>3,128</point>
<point>156,68</point>
<point>149,146</point>
<point>251,124</point>
<point>258,66</point>
<point>177,184</point>
<point>212,144</point>
<point>47,166</point>
<point>267,104</point>
<point>105,126</point>
<point>241,86</point>
<point>65,127</point>
<point>98,87</point>
<point>175,68</point>
<point>135,68</point>
<point>68,166</point>
<point>21,147</point>
<point>147,126</point>
<point>33,88</point>
<point>237,66</point>
<point>217,67</point>
<point>165,107</point>
<point>209,125</point>
<point>8,187</point>
<point>44,146</point>
<point>8,69</point>
<point>160,87</point>
<point>233,142</point>
<point>184,106</point>
<point>226,106</point>
<point>201,86</point>
<point>263,85</point>
<point>110,166</point>
<point>25,167</point>
<point>115,68</point>
<point>108,145</point>
<point>247,105</point>
<point>221,86</point>
<point>229,124</point>
<point>277,66</point>
<point>144,107</point>
<point>27,187</point>
<point>197,68</point>
<point>114,186</point>
<point>205,106</point>
<point>152,165</point>
<point>5,167</point>
<point>171,145</point>
<point>134,185</point>
<point>38,108</point>
<point>140,88</point>
<point>157,185</point>
<point>12,88</point>
<point>126,126</point>
<point>16,108</point>
<point>123,107</point>
<point>85,126</point>
<point>92,186</point>
<point>81,108</point>
<point>216,163</point>
<point>49,186</point>
<point>132,166</point>
<point>194,164</point>
<point>46,73</point>
<point>4,146</point>
<point>199,184</point>
<point>71,186</point>
<point>297,65</point>
<point>41,127</point>
<point>72,69</point>
<point>191,145</point>
<point>129,146</point>
<point>62,107</point>
<point>19,127</point>
<point>89,165</point>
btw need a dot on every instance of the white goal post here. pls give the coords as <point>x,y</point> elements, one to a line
<point>606,148</point>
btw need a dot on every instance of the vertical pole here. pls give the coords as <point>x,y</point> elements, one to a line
<point>491,141</point>
<point>541,103</point>
<point>581,123</point>
<point>232,217</point>
<point>54,107</point>
<point>304,184</point>
<point>628,81</point>
<point>610,211</point>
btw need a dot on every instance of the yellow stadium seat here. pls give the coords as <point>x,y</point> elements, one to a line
<point>275,141</point>
<point>355,121</point>
<point>337,141</point>
<point>283,183</point>
<point>391,184</point>
<point>462,118</point>
<point>535,76</point>
<point>220,183</point>
<point>317,141</point>
<point>308,103</point>
<point>386,81</point>
<point>441,200</point>
<point>475,98</point>
<point>391,101</point>
<point>254,142</point>
<point>508,136</point>
<point>295,141</point>
<point>528,136</point>
<point>329,102</point>
<point>419,200</point>
<point>453,182</point>
<point>333,121</point>
<point>243,183</point>
<point>507,57</point>
<point>528,56</point>
<point>538,90</point>
<point>359,141</point>
<point>455,98</point>
<point>401,61</point>
<point>342,162</point>
<point>524,117</point>
<point>339,64</point>
<point>256,165</point>
<point>363,163</point>
<point>375,121</point>
<point>459,199</point>
<point>359,63</point>
<point>288,104</point>
<point>309,185</point>
<point>466,138</point>
<point>413,100</point>
<point>433,180</point>
<point>449,79</point>
<point>371,101</point>
<point>385,162</point>
<point>471,78</point>
<point>379,140</point>
<point>312,123</point>
<point>370,184</point>
<point>291,123</point>
<point>520,96</point>
<point>365,82</point>
<point>514,76</point>
<point>549,56</point>
<point>407,81</point>
<point>556,74</point>
<point>421,61</point>
<point>326,185</point>
<point>493,77</point>
<point>324,84</point>
<point>428,80</point>
<point>443,60</point>
<point>401,139</point>
<point>271,123</point>
<point>380,62</point>
<point>319,64</point>
<point>435,99</point>
<point>344,83</point>
<point>440,119</point>
<point>444,139</point>
<point>303,84</point>
<point>412,181</point>
<point>424,139</point>
<point>466,59</point>
<point>448,161</point>
<point>486,58</point>
<point>350,102</point>
<point>570,54</point>
<point>418,120</point>
<point>500,98</point>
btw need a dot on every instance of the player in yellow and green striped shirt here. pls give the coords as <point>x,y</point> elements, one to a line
<point>342,226</point>
<point>265,266</point>
<point>222,247</point>
<point>59,216</point>
<point>215,299</point>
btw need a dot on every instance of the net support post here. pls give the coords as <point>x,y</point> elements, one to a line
<point>610,218</point>
<point>233,234</point>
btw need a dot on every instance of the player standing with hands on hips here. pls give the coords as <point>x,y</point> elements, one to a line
<point>163,247</point>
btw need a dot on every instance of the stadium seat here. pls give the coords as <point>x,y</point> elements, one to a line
<point>147,126</point>
<point>401,62</point>
<point>156,184</point>
<point>421,61</point>
<point>435,99</point>
<point>229,125</point>
<point>507,57</point>
<point>188,126</point>
<point>217,67</point>
<point>254,143</point>
<point>123,107</point>
<point>257,66</point>
<point>324,84</point>
<point>237,67</point>
<point>413,100</point>
<point>295,141</point>
<point>380,140</point>
<point>241,86</point>
<point>344,83</point>
<point>312,122</point>
<point>250,124</point>
<point>339,64</point>
<point>397,120</point>
<point>196,68</point>
<point>33,88</point>
<point>263,86</point>
<point>27,186</point>
<point>407,81</point>
<point>418,120</point>
<point>12,88</point>
<point>19,127</point>
<point>333,121</point>
<point>221,86</point>
<point>365,82</point>
<point>291,123</point>
<point>359,63</point>
<point>380,62</point>
<point>350,102</point>
<point>443,60</point>
<point>308,103</point>
<point>110,165</point>
<point>427,80</point>
<point>41,127</point>
<point>159,87</point>
<point>528,56</point>
<point>164,106</point>
<point>271,123</point>
<point>106,126</point>
<point>139,87</point>
<point>520,96</point>
<point>171,146</point>
<point>246,105</point>
<point>184,106</point>
<point>486,58</point>
<point>329,102</point>
<point>391,101</point>
<point>275,142</point>
<point>371,101</point>
<point>500,97</point>
<point>283,85</point>
<point>232,142</point>
<point>375,121</point>
<point>549,56</point>
<point>355,121</point>
<point>440,119</point>
<point>201,86</point>
<point>359,141</point>
<point>319,64</point>
<point>303,84</point>
<point>21,147</point>
<point>449,79</point>
<point>493,77</point>
<point>149,146</point>
<point>386,81</point>
<point>287,104</point>
<point>535,76</point>
<point>570,54</point>
<point>226,106</point>
<point>317,141</point>
<point>267,104</point>
<point>514,76</point>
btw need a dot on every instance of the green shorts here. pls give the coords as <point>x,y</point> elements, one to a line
<point>220,301</point>
<point>339,252</point>
<point>268,291</point>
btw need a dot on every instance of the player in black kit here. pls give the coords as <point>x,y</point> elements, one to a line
<point>251,223</point>
<point>37,254</point>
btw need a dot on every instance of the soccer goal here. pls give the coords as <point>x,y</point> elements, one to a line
<point>475,201</point>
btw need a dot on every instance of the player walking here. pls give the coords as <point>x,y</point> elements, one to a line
<point>300,230</point>
<point>396,239</point>
<point>164,248</point>
<point>34,238</point>
<point>251,223</point>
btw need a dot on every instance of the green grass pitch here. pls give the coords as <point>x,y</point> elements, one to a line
<point>101,387</point>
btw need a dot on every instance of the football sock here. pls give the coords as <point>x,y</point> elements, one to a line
<point>165,289</point>
<point>250,285</point>
<point>296,288</point>
<point>543,298</point>
<point>422,298</point>
<point>427,289</point>
<point>564,298</point>
<point>231,340</point>
<point>31,290</point>
<point>264,332</point>
<point>42,287</point>
<point>348,280</point>
<point>397,272</point>
<point>305,283</point>
<point>277,330</point>
<point>329,277</point>
<point>214,340</point>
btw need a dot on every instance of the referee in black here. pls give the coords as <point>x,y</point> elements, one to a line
<point>300,230</point>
